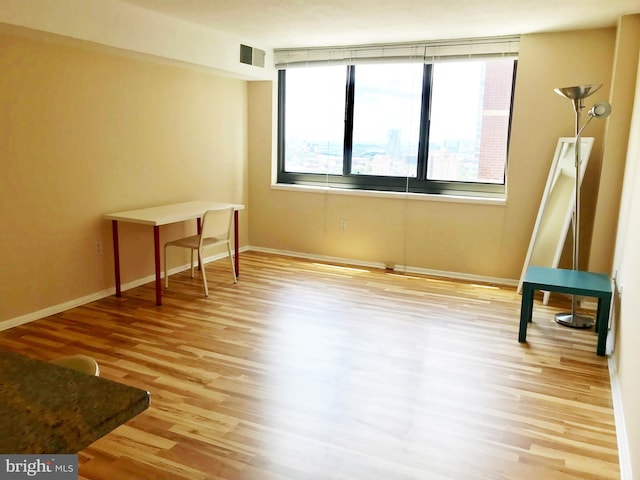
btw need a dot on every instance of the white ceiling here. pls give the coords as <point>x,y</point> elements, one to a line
<point>300,23</point>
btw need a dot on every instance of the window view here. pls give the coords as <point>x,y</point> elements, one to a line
<point>470,109</point>
<point>315,119</point>
<point>374,126</point>
<point>386,120</point>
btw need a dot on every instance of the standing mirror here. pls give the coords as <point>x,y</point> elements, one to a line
<point>556,207</point>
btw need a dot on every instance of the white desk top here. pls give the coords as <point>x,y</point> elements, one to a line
<point>165,214</point>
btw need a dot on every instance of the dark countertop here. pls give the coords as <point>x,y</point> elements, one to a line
<point>45,408</point>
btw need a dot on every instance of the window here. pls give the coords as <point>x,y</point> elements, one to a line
<point>386,120</point>
<point>426,128</point>
<point>315,129</point>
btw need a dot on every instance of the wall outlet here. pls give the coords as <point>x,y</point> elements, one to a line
<point>343,224</point>
<point>99,247</point>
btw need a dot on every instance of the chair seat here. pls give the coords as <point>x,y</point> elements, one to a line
<point>80,363</point>
<point>194,242</point>
<point>215,230</point>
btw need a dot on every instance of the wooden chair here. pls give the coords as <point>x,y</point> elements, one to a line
<point>216,230</point>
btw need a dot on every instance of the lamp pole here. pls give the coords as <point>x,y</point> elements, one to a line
<point>577,94</point>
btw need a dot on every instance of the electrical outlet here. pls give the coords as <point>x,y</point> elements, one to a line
<point>343,224</point>
<point>99,247</point>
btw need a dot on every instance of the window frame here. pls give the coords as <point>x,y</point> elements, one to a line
<point>419,184</point>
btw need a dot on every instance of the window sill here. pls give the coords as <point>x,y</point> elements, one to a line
<point>476,200</point>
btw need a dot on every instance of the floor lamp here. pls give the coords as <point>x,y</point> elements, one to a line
<point>577,94</point>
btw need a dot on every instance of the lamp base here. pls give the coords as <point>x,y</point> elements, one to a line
<point>574,320</point>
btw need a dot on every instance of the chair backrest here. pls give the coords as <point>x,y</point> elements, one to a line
<point>217,224</point>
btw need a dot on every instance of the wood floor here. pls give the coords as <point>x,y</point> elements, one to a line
<point>307,371</point>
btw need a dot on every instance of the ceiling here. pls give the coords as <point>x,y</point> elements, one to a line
<point>304,23</point>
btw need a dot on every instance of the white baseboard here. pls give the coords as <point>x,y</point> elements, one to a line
<point>624,454</point>
<point>397,268</point>
<point>76,302</point>
<point>52,310</point>
<point>319,258</point>
<point>92,297</point>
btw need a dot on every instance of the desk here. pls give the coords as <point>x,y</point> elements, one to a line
<point>45,408</point>
<point>164,215</point>
<point>574,282</point>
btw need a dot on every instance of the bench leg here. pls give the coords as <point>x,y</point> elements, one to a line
<point>526,312</point>
<point>602,324</point>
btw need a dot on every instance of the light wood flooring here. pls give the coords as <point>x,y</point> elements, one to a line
<point>306,371</point>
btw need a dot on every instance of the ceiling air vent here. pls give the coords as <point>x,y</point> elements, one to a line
<point>251,56</point>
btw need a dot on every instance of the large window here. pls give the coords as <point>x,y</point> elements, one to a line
<point>428,128</point>
<point>386,120</point>
<point>315,122</point>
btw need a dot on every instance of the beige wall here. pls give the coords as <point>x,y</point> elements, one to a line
<point>83,133</point>
<point>626,356</point>
<point>475,239</point>
<point>616,140</point>
<point>107,132</point>
<point>626,359</point>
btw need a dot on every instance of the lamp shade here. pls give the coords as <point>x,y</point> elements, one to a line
<point>600,110</point>
<point>578,92</point>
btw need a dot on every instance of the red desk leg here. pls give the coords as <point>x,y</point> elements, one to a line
<point>236,248</point>
<point>198,230</point>
<point>116,256</point>
<point>156,249</point>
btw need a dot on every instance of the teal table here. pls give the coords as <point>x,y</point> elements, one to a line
<point>574,282</point>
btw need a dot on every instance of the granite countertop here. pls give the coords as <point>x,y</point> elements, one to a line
<point>45,408</point>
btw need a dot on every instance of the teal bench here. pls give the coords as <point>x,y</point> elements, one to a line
<point>574,282</point>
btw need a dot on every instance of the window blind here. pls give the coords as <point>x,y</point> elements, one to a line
<point>425,52</point>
